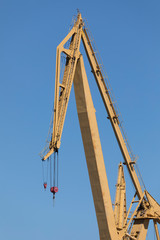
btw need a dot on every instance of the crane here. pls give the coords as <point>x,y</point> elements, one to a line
<point>118,223</point>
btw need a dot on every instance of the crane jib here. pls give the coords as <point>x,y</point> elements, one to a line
<point>114,224</point>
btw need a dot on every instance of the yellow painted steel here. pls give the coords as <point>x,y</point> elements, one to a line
<point>62,91</point>
<point>156,230</point>
<point>111,112</point>
<point>112,225</point>
<point>120,211</point>
<point>94,155</point>
<point>140,228</point>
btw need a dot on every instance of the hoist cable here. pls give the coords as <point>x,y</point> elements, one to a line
<point>43,171</point>
<point>47,169</point>
<point>57,168</point>
<point>50,171</point>
<point>54,179</point>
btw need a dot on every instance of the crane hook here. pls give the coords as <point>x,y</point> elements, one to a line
<point>54,190</point>
<point>45,185</point>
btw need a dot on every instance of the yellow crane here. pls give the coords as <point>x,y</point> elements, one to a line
<point>117,223</point>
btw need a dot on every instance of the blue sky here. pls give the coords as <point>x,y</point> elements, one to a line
<point>128,39</point>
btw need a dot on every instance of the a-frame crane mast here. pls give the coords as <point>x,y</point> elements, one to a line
<point>112,225</point>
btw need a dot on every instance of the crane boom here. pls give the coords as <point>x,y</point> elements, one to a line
<point>94,155</point>
<point>110,110</point>
<point>62,95</point>
<point>62,90</point>
<point>112,225</point>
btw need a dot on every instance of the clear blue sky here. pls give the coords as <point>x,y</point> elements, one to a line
<point>127,34</point>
